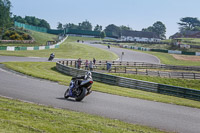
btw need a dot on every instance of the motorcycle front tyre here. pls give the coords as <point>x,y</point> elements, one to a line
<point>81,95</point>
<point>66,95</point>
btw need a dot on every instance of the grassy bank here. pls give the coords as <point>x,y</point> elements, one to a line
<point>42,38</point>
<point>48,71</point>
<point>170,60</point>
<point>186,83</point>
<point>39,37</point>
<point>69,49</point>
<point>16,116</point>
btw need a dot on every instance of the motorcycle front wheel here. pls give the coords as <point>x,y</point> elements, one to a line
<point>66,95</point>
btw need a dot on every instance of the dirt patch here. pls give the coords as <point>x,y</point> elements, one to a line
<point>186,57</point>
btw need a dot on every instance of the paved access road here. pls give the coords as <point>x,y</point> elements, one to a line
<point>129,55</point>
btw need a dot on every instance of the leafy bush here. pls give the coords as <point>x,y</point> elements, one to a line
<point>15,35</point>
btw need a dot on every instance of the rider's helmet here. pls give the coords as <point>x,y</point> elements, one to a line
<point>88,74</point>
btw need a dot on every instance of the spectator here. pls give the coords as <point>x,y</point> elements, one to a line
<point>86,65</point>
<point>91,66</point>
<point>79,63</point>
<point>94,61</point>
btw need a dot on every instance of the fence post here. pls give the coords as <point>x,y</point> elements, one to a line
<point>136,71</point>
<point>159,73</point>
<point>182,75</point>
<point>67,63</point>
<point>63,62</point>
<point>146,72</point>
<point>194,75</point>
<point>115,69</point>
<point>125,69</point>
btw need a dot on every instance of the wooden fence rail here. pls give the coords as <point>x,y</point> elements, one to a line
<point>132,83</point>
<point>136,64</point>
<point>138,68</point>
<point>130,70</point>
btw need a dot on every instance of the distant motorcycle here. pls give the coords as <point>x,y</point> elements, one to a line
<point>78,89</point>
<point>51,57</point>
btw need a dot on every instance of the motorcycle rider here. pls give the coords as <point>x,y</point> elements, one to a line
<point>79,79</point>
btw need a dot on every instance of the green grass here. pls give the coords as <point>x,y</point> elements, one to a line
<point>21,117</point>
<point>42,38</point>
<point>48,71</point>
<point>170,60</point>
<point>190,41</point>
<point>68,49</point>
<point>186,83</point>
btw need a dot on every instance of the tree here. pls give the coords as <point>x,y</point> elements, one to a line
<point>5,14</point>
<point>115,30</point>
<point>158,27</point>
<point>125,28</point>
<point>85,25</point>
<point>71,26</point>
<point>44,23</point>
<point>98,28</point>
<point>102,34</point>
<point>60,26</point>
<point>149,29</point>
<point>31,20</point>
<point>188,23</point>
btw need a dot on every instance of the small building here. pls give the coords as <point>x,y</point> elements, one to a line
<point>139,36</point>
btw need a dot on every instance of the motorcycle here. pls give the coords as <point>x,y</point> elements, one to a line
<point>51,57</point>
<point>78,89</point>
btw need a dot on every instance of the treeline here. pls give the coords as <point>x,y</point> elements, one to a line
<point>189,24</point>
<point>7,21</point>
<point>31,20</point>
<point>158,28</point>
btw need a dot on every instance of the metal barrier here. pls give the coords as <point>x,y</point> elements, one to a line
<point>132,83</point>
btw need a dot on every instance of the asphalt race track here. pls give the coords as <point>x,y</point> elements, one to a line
<point>159,115</point>
<point>129,55</point>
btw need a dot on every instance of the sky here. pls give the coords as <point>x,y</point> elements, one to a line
<point>136,14</point>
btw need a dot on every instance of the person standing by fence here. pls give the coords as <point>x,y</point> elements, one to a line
<point>91,66</point>
<point>94,61</point>
<point>79,63</point>
<point>86,64</point>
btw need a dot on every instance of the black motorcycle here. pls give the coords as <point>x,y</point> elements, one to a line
<point>78,89</point>
<point>51,57</point>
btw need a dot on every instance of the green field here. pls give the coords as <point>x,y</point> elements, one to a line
<point>186,83</point>
<point>21,117</point>
<point>48,71</point>
<point>190,41</point>
<point>42,38</point>
<point>69,49</point>
<point>168,59</point>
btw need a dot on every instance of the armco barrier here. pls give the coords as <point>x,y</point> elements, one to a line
<point>132,83</point>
